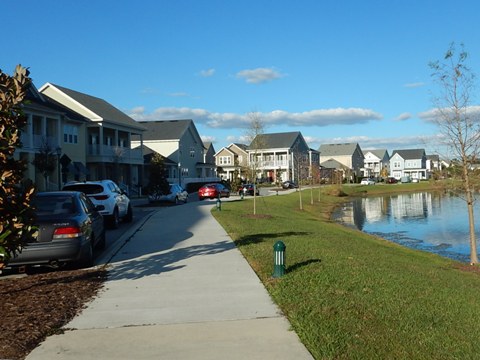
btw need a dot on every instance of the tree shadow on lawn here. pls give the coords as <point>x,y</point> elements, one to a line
<point>258,238</point>
<point>296,266</point>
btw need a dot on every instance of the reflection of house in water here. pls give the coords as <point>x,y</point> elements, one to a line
<point>351,214</point>
<point>415,205</point>
<point>374,208</point>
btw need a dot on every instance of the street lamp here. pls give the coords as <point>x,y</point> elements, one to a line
<point>58,150</point>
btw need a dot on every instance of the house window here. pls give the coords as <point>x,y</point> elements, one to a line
<point>396,164</point>
<point>225,160</point>
<point>70,134</point>
<point>192,152</point>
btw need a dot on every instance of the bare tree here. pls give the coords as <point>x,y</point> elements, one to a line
<point>458,124</point>
<point>257,142</point>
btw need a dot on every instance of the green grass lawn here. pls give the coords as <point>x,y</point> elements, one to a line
<point>350,295</point>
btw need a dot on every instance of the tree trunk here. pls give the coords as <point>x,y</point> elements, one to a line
<point>471,218</point>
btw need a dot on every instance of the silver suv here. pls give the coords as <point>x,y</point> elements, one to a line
<point>107,193</point>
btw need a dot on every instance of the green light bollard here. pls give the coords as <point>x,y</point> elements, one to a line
<point>219,204</point>
<point>279,259</point>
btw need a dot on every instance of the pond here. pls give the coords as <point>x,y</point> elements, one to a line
<point>426,221</point>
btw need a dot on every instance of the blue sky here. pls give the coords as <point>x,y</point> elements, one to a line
<point>338,71</point>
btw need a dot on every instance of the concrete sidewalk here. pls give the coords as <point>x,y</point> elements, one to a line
<point>178,289</point>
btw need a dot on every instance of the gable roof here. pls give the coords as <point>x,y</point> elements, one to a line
<point>240,146</point>
<point>333,164</point>
<point>276,140</point>
<point>409,154</point>
<point>101,108</point>
<point>167,129</point>
<point>379,153</point>
<point>337,149</point>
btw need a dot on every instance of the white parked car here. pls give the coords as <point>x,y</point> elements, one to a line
<point>177,194</point>
<point>366,181</point>
<point>107,193</point>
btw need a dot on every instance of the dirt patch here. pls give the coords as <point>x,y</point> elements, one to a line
<point>35,306</point>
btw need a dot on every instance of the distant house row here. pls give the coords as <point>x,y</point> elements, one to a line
<point>280,152</point>
<point>90,139</point>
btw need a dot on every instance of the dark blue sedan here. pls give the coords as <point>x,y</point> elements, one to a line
<point>69,228</point>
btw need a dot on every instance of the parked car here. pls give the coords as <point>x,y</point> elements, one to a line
<point>176,195</point>
<point>405,179</point>
<point>69,225</point>
<point>367,181</point>
<point>289,185</point>
<point>212,191</point>
<point>107,193</point>
<point>392,180</point>
<point>248,189</point>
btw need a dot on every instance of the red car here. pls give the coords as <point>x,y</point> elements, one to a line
<point>213,191</point>
<point>391,180</point>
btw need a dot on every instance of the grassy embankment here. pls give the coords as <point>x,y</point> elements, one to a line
<point>349,295</point>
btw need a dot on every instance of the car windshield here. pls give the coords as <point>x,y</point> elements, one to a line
<point>88,189</point>
<point>54,205</point>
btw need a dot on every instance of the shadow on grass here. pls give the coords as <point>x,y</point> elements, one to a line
<point>302,264</point>
<point>258,238</point>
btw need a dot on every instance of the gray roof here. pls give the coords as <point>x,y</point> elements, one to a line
<point>277,140</point>
<point>167,129</point>
<point>410,154</point>
<point>102,108</point>
<point>241,146</point>
<point>337,149</point>
<point>380,153</point>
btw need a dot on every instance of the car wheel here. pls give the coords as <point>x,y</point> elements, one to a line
<point>114,219</point>
<point>129,217</point>
<point>87,259</point>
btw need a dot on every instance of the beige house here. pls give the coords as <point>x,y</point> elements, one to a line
<point>179,142</point>
<point>349,155</point>
<point>57,132</point>
<point>231,160</point>
<point>107,140</point>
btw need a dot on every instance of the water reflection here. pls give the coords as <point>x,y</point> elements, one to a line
<point>427,221</point>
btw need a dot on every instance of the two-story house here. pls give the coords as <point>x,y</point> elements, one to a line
<point>280,157</point>
<point>105,140</point>
<point>47,131</point>
<point>231,160</point>
<point>376,163</point>
<point>349,155</point>
<point>180,143</point>
<point>409,163</point>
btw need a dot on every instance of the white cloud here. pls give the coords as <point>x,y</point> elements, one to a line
<point>428,142</point>
<point>207,138</point>
<point>414,85</point>
<point>319,117</point>
<point>436,114</point>
<point>259,75</point>
<point>404,116</point>
<point>207,73</point>
<point>179,94</point>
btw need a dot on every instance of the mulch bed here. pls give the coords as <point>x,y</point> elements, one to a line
<point>35,306</point>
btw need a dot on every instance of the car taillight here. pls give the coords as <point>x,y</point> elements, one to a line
<point>67,232</point>
<point>101,197</point>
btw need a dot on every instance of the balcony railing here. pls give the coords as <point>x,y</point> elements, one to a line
<point>114,152</point>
